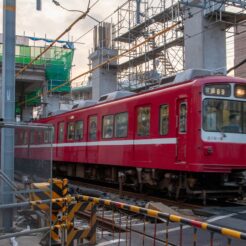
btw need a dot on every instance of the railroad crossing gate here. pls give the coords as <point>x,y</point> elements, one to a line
<point>65,211</point>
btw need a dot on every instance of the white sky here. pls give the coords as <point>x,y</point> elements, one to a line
<point>53,20</point>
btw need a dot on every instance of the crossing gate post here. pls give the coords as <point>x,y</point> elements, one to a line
<point>64,214</point>
<point>89,232</point>
<point>64,211</point>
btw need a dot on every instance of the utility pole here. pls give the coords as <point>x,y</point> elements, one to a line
<point>8,108</point>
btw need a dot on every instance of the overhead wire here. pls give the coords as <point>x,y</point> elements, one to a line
<point>107,61</point>
<point>125,52</point>
<point>236,66</point>
<point>52,44</point>
<point>121,6</point>
<point>73,10</point>
<point>82,16</point>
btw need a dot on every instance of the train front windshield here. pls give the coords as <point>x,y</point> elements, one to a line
<point>224,108</point>
<point>224,115</point>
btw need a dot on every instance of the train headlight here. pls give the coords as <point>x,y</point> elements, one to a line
<point>240,91</point>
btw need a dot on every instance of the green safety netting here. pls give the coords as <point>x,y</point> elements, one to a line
<point>57,62</point>
<point>33,98</point>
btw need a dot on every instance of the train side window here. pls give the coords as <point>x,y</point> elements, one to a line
<point>79,130</point>
<point>70,131</point>
<point>108,130</point>
<point>47,136</point>
<point>53,133</point>
<point>32,133</point>
<point>17,137</point>
<point>93,128</point>
<point>61,132</point>
<point>25,137</point>
<point>39,137</point>
<point>183,117</point>
<point>143,121</point>
<point>121,125</point>
<point>22,133</point>
<point>164,119</point>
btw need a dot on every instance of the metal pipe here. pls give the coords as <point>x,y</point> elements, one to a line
<point>138,11</point>
<point>24,204</point>
<point>23,233</point>
<point>8,105</point>
<point>4,124</point>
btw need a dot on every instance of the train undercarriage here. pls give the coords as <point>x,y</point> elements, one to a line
<point>173,183</point>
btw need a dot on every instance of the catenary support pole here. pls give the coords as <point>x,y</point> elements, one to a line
<point>8,108</point>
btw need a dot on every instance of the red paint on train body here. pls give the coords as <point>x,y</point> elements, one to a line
<point>190,141</point>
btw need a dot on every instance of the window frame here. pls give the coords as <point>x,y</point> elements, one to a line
<point>81,130</point>
<point>186,114</point>
<point>116,127</point>
<point>106,127</point>
<point>141,126</point>
<point>32,136</point>
<point>161,121</point>
<point>61,140</point>
<point>71,123</point>
<point>47,137</point>
<point>89,127</point>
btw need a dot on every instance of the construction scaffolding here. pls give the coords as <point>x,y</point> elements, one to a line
<point>56,62</point>
<point>161,55</point>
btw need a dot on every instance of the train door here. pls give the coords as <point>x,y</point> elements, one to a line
<point>92,143</point>
<point>181,130</point>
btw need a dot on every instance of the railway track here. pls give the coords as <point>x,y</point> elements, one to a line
<point>130,196</point>
<point>120,226</point>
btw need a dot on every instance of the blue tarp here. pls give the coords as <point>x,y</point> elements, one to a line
<point>69,45</point>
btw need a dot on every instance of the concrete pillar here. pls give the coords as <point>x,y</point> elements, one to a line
<point>205,40</point>
<point>104,79</point>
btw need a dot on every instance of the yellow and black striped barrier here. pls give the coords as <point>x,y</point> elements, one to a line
<point>90,232</point>
<point>169,217</point>
<point>72,205</point>
<point>64,209</point>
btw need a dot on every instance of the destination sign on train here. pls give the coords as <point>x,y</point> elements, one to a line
<point>217,90</point>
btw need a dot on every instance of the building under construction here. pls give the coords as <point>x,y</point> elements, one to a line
<point>47,76</point>
<point>153,40</point>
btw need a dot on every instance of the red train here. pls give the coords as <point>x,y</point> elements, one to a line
<point>184,137</point>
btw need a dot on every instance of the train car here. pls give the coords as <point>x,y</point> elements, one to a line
<point>186,137</point>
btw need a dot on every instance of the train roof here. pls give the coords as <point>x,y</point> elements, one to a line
<point>186,77</point>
